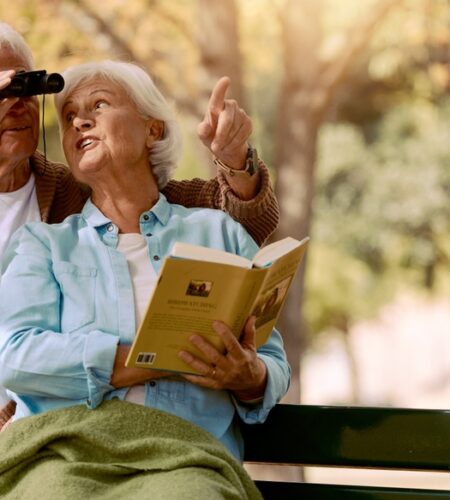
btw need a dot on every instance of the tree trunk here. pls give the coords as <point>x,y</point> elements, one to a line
<point>219,51</point>
<point>309,87</point>
<point>219,45</point>
<point>296,153</point>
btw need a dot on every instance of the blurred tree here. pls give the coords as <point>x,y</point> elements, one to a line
<point>218,39</point>
<point>312,78</point>
<point>390,213</point>
<point>302,64</point>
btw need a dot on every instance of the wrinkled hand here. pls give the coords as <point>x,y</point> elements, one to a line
<point>226,127</point>
<point>7,103</point>
<point>239,369</point>
<point>123,376</point>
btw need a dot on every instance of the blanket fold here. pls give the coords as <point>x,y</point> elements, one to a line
<point>120,450</point>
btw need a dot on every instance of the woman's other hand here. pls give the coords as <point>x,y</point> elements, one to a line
<point>238,370</point>
<point>123,376</point>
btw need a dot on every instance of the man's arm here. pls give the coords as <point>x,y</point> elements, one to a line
<point>242,186</point>
<point>259,216</point>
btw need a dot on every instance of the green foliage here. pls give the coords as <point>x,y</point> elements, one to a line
<point>381,214</point>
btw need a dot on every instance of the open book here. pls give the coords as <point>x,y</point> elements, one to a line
<point>198,285</point>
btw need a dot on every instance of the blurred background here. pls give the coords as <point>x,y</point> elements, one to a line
<point>351,111</point>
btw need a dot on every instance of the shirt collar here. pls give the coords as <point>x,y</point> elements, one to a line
<point>161,210</point>
<point>94,217</point>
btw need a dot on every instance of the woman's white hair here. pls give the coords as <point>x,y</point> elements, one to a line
<point>11,39</point>
<point>166,152</point>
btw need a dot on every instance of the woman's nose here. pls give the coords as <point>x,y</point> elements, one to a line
<point>82,123</point>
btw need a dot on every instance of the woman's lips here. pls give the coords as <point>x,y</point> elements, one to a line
<point>86,142</point>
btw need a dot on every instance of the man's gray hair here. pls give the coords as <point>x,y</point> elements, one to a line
<point>165,153</point>
<point>11,39</point>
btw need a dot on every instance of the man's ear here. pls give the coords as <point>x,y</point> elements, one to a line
<point>155,131</point>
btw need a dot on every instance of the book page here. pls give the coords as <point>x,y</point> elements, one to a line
<point>197,252</point>
<point>268,254</point>
<point>272,295</point>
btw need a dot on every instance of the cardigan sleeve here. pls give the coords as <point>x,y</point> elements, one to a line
<point>259,216</point>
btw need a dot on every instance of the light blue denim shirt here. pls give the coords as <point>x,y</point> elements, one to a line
<point>66,301</point>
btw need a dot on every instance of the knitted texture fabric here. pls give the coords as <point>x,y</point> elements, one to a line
<point>119,450</point>
<point>259,216</point>
<point>59,196</point>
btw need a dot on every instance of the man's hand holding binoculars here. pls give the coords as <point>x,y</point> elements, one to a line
<point>29,83</point>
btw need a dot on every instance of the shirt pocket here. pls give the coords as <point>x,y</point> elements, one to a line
<point>77,285</point>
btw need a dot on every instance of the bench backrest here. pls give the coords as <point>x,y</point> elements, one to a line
<point>377,438</point>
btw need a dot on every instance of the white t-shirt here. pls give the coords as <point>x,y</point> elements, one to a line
<point>143,278</point>
<point>16,208</point>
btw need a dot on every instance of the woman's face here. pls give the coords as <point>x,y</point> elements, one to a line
<point>102,131</point>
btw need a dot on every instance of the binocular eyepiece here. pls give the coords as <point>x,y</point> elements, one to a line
<point>29,83</point>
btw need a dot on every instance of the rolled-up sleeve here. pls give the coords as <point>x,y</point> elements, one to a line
<point>278,378</point>
<point>37,358</point>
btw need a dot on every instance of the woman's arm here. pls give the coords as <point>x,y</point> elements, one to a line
<point>126,377</point>
<point>36,356</point>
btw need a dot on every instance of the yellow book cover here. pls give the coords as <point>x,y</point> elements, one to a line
<point>198,285</point>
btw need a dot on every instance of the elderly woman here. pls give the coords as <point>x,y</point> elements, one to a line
<point>72,294</point>
<point>33,188</point>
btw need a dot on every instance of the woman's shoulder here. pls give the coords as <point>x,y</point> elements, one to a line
<point>209,218</point>
<point>43,230</point>
<point>206,215</point>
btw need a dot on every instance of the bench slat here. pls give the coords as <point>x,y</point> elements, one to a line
<point>393,438</point>
<point>272,490</point>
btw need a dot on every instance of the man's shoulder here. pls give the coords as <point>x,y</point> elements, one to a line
<point>42,166</point>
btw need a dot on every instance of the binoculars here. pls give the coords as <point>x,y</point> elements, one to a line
<point>29,83</point>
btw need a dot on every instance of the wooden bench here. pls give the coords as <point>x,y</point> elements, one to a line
<point>354,437</point>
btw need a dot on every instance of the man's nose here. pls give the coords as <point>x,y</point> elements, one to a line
<point>18,108</point>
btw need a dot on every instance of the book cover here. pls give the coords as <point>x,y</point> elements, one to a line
<point>191,294</point>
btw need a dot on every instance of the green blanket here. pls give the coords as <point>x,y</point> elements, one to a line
<point>118,451</point>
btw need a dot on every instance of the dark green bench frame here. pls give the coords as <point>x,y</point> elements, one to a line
<point>354,437</point>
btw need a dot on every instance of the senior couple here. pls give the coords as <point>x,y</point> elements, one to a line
<point>73,293</point>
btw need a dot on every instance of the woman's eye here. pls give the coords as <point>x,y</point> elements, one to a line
<point>101,104</point>
<point>69,117</point>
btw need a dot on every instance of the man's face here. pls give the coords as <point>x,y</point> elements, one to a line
<point>19,122</point>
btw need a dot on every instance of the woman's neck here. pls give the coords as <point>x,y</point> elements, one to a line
<point>123,202</point>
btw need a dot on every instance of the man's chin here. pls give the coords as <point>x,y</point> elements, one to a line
<point>17,149</point>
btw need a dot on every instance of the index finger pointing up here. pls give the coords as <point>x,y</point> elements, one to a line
<point>217,100</point>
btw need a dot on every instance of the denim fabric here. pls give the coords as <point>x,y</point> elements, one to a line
<point>66,301</point>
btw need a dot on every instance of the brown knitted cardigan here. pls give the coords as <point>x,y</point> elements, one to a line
<point>59,196</point>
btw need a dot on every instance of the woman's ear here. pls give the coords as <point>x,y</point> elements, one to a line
<point>155,131</point>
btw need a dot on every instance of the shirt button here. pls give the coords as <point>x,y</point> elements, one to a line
<point>146,217</point>
<point>110,228</point>
<point>152,383</point>
<point>156,257</point>
<point>148,234</point>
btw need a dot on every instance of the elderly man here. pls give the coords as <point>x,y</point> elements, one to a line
<point>33,188</point>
